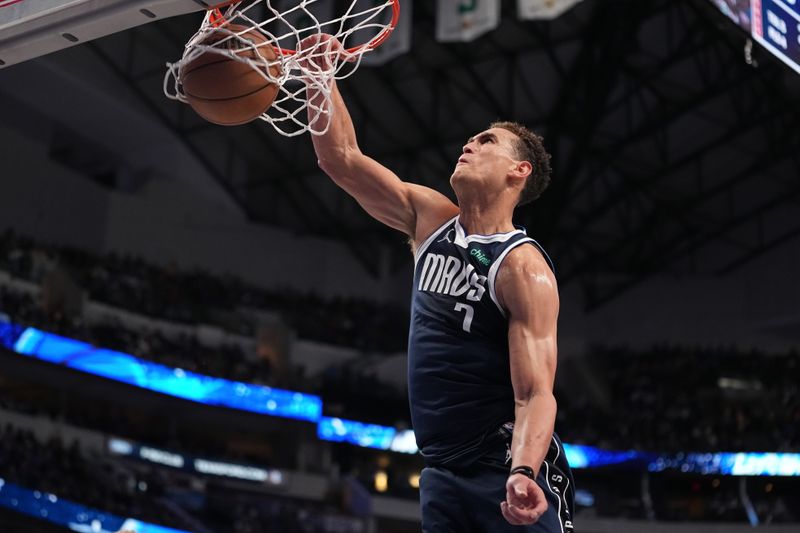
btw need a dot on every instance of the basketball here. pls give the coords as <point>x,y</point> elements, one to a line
<point>225,91</point>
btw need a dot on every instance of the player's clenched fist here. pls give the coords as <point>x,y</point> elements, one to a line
<point>525,501</point>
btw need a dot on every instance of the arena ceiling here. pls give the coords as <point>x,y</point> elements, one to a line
<point>672,152</point>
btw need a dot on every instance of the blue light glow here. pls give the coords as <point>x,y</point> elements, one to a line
<point>74,516</point>
<point>358,433</point>
<point>173,381</point>
<point>579,456</point>
<point>730,464</point>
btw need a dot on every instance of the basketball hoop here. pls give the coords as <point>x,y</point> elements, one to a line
<point>299,69</point>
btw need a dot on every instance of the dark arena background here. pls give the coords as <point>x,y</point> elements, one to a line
<point>201,333</point>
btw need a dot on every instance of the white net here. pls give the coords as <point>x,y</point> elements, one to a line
<point>300,62</point>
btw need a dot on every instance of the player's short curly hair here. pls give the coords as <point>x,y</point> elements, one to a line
<point>530,147</point>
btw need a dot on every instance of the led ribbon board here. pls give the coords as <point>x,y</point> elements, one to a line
<point>265,400</point>
<point>74,516</point>
<point>159,378</point>
<point>195,465</point>
<point>358,433</point>
<point>730,464</point>
<point>719,463</point>
<point>579,456</point>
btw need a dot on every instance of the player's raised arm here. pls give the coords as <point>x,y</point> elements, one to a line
<point>412,209</point>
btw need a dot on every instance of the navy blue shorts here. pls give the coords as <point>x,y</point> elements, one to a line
<point>467,500</point>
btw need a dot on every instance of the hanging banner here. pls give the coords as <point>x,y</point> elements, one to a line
<point>465,20</point>
<point>398,43</point>
<point>543,9</point>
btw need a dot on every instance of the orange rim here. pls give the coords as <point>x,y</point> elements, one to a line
<point>217,19</point>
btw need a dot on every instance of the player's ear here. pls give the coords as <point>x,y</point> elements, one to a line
<point>518,175</point>
<point>521,170</point>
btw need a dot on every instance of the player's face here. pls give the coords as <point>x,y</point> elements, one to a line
<point>486,158</point>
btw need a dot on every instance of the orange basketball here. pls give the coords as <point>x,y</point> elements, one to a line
<point>228,92</point>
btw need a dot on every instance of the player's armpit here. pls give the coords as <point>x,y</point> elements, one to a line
<point>432,210</point>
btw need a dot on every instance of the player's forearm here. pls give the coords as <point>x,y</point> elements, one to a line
<point>533,430</point>
<point>338,145</point>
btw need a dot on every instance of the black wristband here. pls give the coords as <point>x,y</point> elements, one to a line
<point>524,470</point>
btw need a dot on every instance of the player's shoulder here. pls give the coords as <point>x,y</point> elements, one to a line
<point>525,264</point>
<point>430,203</point>
<point>526,257</point>
<point>525,276</point>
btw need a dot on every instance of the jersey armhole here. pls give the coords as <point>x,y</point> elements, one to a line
<point>496,267</point>
<point>427,242</point>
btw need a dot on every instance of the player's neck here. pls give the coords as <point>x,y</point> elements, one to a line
<point>476,219</point>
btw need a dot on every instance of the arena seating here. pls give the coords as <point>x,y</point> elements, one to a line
<point>195,296</point>
<point>683,398</point>
<point>156,495</point>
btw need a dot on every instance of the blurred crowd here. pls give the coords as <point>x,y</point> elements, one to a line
<point>112,419</point>
<point>155,496</point>
<point>226,360</point>
<point>678,398</point>
<point>194,296</point>
<point>64,471</point>
<point>256,514</point>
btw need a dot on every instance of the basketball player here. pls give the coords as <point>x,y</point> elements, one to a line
<point>482,345</point>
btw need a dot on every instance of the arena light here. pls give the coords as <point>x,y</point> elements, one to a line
<point>381,481</point>
<point>161,457</point>
<point>217,468</point>
<point>404,442</point>
<point>120,446</point>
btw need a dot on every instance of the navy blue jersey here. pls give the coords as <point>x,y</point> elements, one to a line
<point>459,380</point>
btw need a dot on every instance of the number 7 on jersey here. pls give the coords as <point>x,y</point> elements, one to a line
<point>470,312</point>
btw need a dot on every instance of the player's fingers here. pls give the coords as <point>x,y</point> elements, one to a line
<point>508,516</point>
<point>521,516</point>
<point>336,49</point>
<point>517,497</point>
<point>540,506</point>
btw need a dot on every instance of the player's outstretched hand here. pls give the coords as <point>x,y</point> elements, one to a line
<point>321,52</point>
<point>525,501</point>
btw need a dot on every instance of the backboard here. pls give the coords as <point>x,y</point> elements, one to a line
<point>32,28</point>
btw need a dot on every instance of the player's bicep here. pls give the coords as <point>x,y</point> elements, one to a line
<point>530,296</point>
